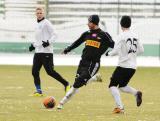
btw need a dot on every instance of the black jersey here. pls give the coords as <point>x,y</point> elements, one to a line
<point>96,43</point>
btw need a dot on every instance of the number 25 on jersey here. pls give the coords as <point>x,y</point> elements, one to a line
<point>131,45</point>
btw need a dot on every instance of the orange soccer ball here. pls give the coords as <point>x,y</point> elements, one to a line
<point>49,102</point>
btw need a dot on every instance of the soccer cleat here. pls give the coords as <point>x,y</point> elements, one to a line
<point>118,111</point>
<point>38,94</point>
<point>67,88</point>
<point>98,77</point>
<point>139,98</point>
<point>60,106</point>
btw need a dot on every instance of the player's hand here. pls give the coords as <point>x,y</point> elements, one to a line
<point>31,48</point>
<point>66,50</point>
<point>107,53</point>
<point>45,44</point>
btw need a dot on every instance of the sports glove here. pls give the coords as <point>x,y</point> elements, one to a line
<point>66,50</point>
<point>45,44</point>
<point>31,48</point>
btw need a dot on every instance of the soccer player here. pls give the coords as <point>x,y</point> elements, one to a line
<point>43,47</point>
<point>96,43</point>
<point>127,47</point>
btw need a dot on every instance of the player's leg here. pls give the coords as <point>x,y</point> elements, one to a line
<point>48,65</point>
<point>123,86</point>
<point>115,91</point>
<point>95,77</point>
<point>80,80</point>
<point>128,89</point>
<point>37,64</point>
<point>133,91</point>
<point>67,97</point>
<point>77,84</point>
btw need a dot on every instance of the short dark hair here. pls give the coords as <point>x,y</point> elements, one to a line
<point>125,21</point>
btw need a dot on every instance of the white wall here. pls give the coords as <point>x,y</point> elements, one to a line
<point>22,30</point>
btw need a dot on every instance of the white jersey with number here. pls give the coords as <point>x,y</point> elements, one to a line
<point>127,47</point>
<point>44,31</point>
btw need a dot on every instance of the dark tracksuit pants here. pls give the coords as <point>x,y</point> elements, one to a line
<point>45,59</point>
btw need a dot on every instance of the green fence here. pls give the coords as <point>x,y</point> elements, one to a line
<point>2,8</point>
<point>6,47</point>
<point>150,49</point>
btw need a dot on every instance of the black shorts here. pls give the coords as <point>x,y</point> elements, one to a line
<point>87,69</point>
<point>121,76</point>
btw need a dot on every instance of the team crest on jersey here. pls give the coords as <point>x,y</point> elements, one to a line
<point>94,35</point>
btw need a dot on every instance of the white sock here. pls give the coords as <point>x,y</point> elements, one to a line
<point>68,95</point>
<point>128,89</point>
<point>116,95</point>
<point>93,78</point>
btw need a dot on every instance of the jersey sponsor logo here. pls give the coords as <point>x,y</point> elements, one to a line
<point>93,43</point>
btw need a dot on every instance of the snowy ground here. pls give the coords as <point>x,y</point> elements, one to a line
<point>26,59</point>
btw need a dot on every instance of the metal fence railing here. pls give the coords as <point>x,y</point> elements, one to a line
<point>60,11</point>
<point>70,10</point>
<point>2,9</point>
<point>19,8</point>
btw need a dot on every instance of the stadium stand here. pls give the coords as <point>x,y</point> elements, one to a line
<point>74,10</point>
<point>17,19</point>
<point>2,9</point>
<point>20,8</point>
<point>60,11</point>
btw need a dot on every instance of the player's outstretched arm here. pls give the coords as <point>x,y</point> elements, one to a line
<point>115,50</point>
<point>140,48</point>
<point>75,44</point>
<point>66,50</point>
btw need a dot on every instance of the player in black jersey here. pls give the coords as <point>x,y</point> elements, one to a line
<point>96,43</point>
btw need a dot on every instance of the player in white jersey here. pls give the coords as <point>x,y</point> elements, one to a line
<point>127,48</point>
<point>43,47</point>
